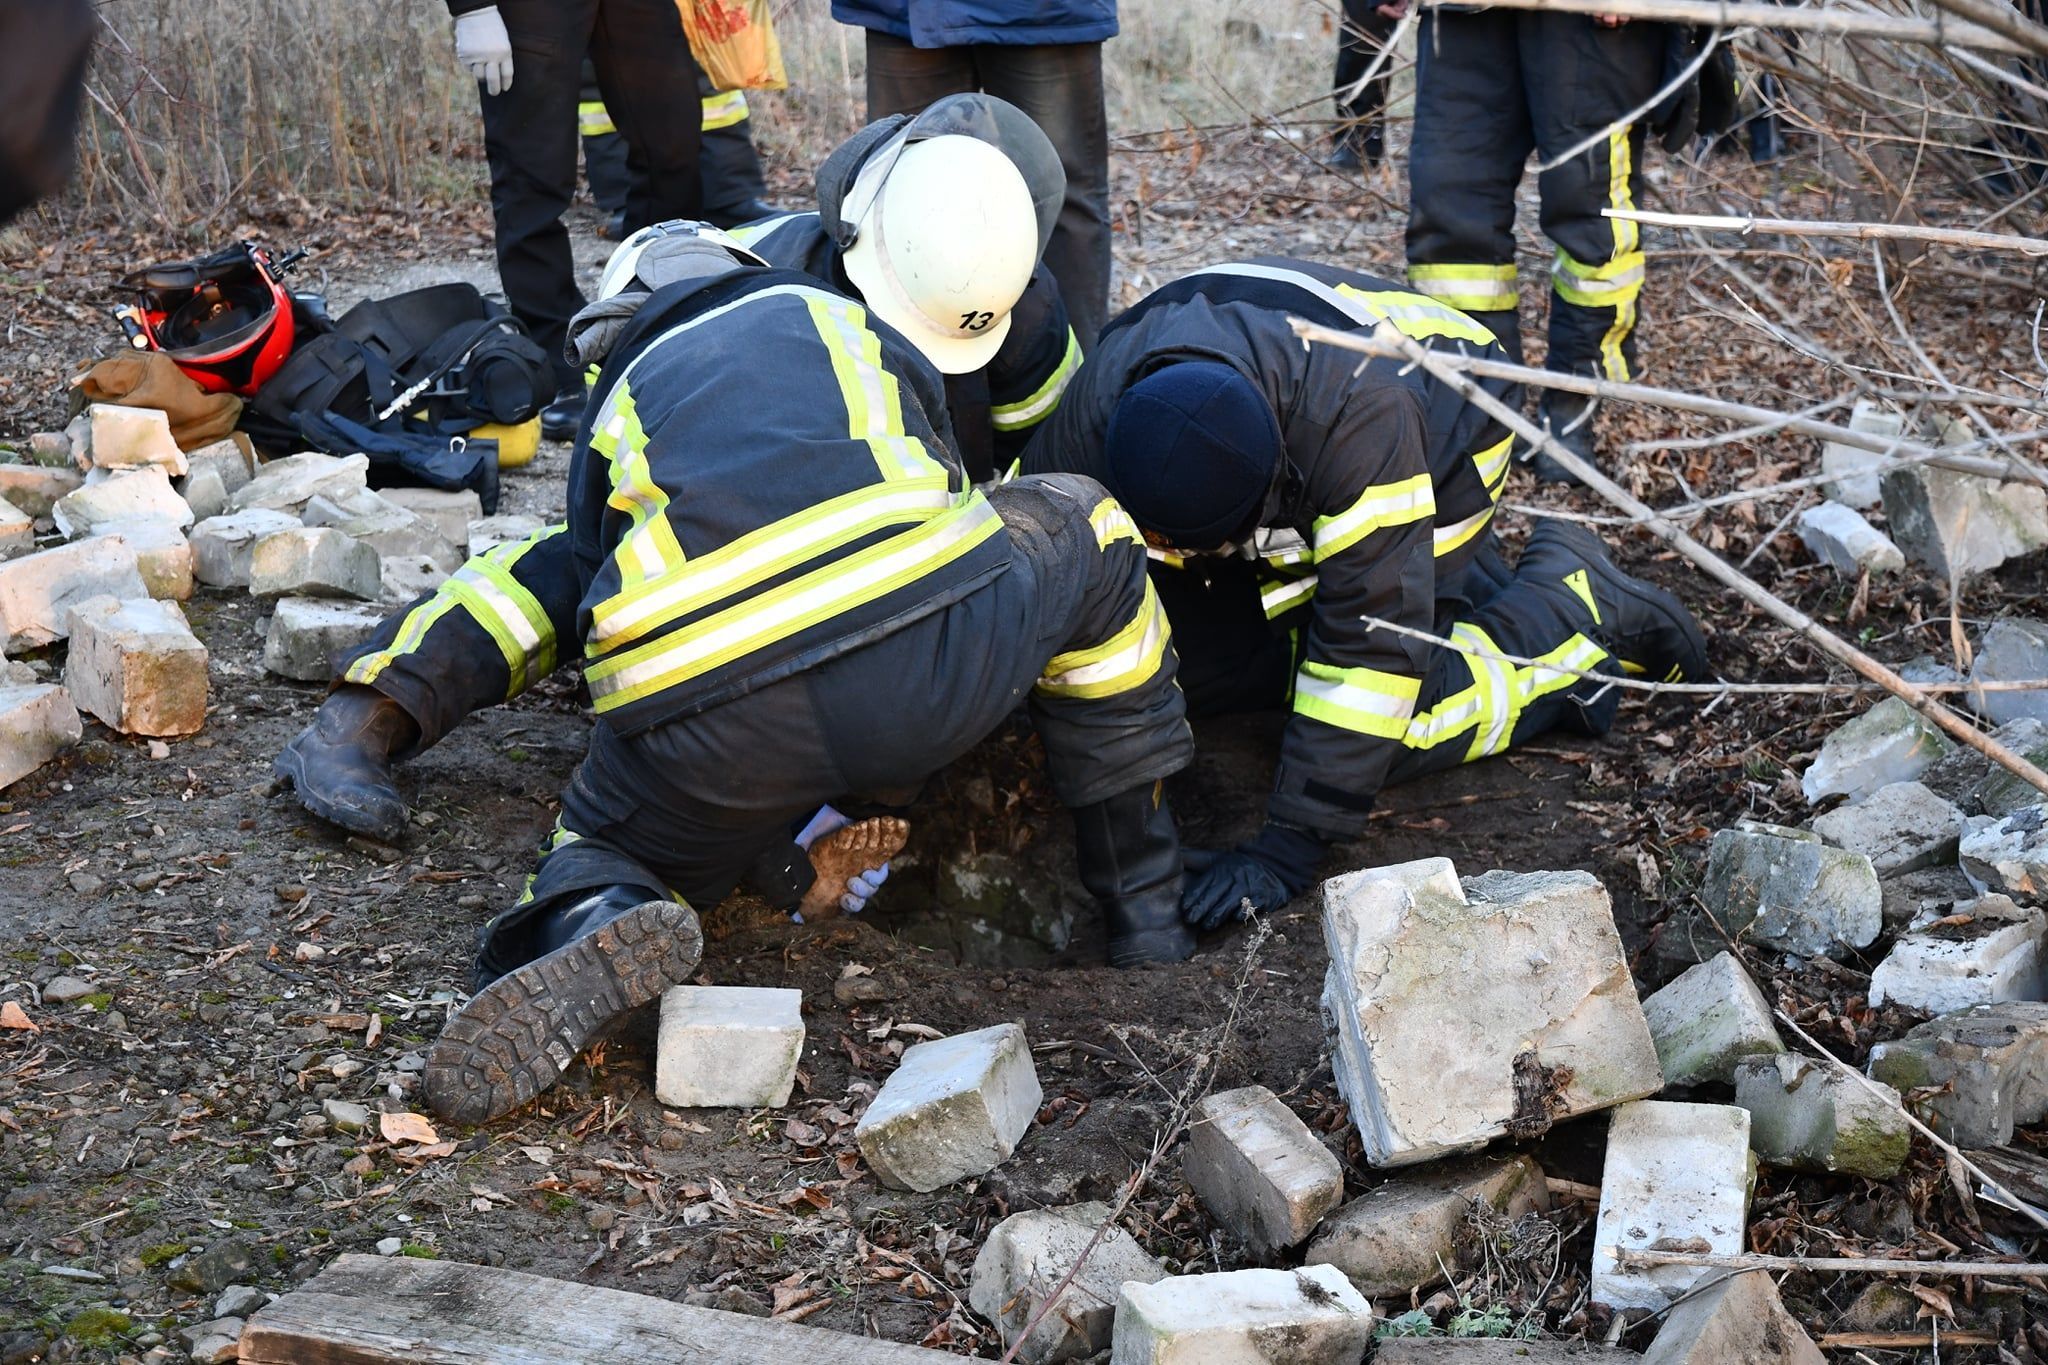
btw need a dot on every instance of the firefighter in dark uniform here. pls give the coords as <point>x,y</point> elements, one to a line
<point>735,191</point>
<point>785,590</point>
<point>1288,494</point>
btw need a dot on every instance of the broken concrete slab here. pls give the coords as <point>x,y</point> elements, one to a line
<point>450,512</point>
<point>287,485</point>
<point>1028,1255</point>
<point>1921,897</point>
<point>1987,1064</point>
<point>386,527</point>
<point>131,495</point>
<point>36,489</point>
<point>1787,890</point>
<point>723,1047</point>
<point>314,561</point>
<point>1310,1314</point>
<point>1840,538</point>
<point>1402,1235</point>
<point>1258,1169</point>
<point>1901,827</point>
<point>1676,1171</point>
<point>2008,854</point>
<point>37,722</point>
<point>506,528</point>
<point>1707,1020</point>
<point>137,666</point>
<point>1891,742</point>
<point>204,493</point>
<point>163,556</point>
<point>1998,791</point>
<point>1548,1023</point>
<point>17,531</point>
<point>132,438</point>
<point>1961,525</point>
<point>222,547</point>
<point>232,460</point>
<point>1810,1116</point>
<point>953,1108</point>
<point>1999,953</point>
<point>38,591</point>
<point>406,578</point>
<point>1738,1318</point>
<point>2012,650</point>
<point>307,633</point>
<point>1850,469</point>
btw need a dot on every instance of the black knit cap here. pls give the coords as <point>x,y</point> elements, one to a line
<point>1191,451</point>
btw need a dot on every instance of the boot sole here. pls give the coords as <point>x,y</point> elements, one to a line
<point>1594,552</point>
<point>518,1035</point>
<point>289,768</point>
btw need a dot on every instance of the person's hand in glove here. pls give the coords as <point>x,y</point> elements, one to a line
<point>1257,877</point>
<point>861,885</point>
<point>484,48</point>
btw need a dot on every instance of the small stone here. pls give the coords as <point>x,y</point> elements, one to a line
<point>1840,538</point>
<point>311,561</point>
<point>17,531</point>
<point>213,1343</point>
<point>137,666</point>
<point>35,489</point>
<point>1737,1319</point>
<point>1258,1169</point>
<point>451,512</point>
<point>1901,828</point>
<point>1997,955</point>
<point>1708,1019</point>
<point>728,1046</point>
<point>132,438</point>
<point>390,1246</point>
<point>1848,468</point>
<point>287,485</point>
<point>507,528</point>
<point>1674,1171</point>
<point>1987,1067</point>
<point>1403,1235</point>
<point>222,547</point>
<point>163,556</point>
<point>204,493</point>
<point>2012,650</point>
<point>37,722</point>
<point>2009,854</point>
<point>65,989</point>
<point>955,1107</point>
<point>346,1117</point>
<point>1027,1255</point>
<point>38,591</point>
<point>215,1268</point>
<point>307,634</point>
<point>239,1301</point>
<point>1787,890</point>
<point>1307,1315</point>
<point>1962,525</point>
<point>601,1219</point>
<point>132,495</point>
<point>1809,1116</point>
<point>1891,742</point>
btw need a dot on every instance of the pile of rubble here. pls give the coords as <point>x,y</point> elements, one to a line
<point>107,527</point>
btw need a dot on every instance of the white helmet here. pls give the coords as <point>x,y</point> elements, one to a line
<point>945,238</point>
<point>662,253</point>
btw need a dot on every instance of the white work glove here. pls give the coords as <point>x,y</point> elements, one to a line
<point>484,48</point>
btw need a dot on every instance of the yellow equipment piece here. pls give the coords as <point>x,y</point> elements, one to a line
<point>517,445</point>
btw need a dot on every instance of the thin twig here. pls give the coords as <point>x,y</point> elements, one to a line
<point>1804,18</point>
<point>1637,1258</point>
<point>1806,227</point>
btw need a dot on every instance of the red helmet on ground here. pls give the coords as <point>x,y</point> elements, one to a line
<point>224,319</point>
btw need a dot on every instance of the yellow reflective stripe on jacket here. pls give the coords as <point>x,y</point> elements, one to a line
<point>1112,523</point>
<point>1365,701</point>
<point>1473,288</point>
<point>1035,409</point>
<point>649,547</point>
<point>724,109</point>
<point>411,631</point>
<point>746,234</point>
<point>593,119</point>
<point>827,591</point>
<point>1419,316</point>
<point>1445,539</point>
<point>1381,505</point>
<point>760,555</point>
<point>484,588</point>
<point>1126,660</point>
<point>1492,464</point>
<point>1278,596</point>
<point>874,400</point>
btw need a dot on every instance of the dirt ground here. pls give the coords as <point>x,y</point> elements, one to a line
<point>248,963</point>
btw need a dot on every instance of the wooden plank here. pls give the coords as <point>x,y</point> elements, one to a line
<point>398,1310</point>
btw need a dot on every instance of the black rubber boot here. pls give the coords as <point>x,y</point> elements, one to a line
<point>1130,862</point>
<point>1568,417</point>
<point>560,419</point>
<point>340,765</point>
<point>1647,630</point>
<point>518,1035</point>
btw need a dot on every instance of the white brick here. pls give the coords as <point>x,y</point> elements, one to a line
<point>1708,1019</point>
<point>163,555</point>
<point>314,561</point>
<point>1540,981</point>
<point>406,577</point>
<point>1740,1320</point>
<point>1786,889</point>
<point>2014,649</point>
<point>1960,525</point>
<point>232,460</point>
<point>956,1107</point>
<point>287,485</point>
<point>307,633</point>
<point>38,590</point>
<point>1243,1317</point>
<point>1679,1171</point>
<point>451,512</point>
<point>2008,855</point>
<point>1810,1116</point>
<point>131,495</point>
<point>17,531</point>
<point>728,1046</point>
<point>1901,828</point>
<point>1028,1255</point>
<point>204,493</point>
<point>1405,1233</point>
<point>385,527</point>
<point>133,438</point>
<point>223,546</point>
<point>1998,956</point>
<point>503,529</point>
<point>37,722</point>
<point>1986,1068</point>
<point>1258,1169</point>
<point>1891,742</point>
<point>1840,538</point>
<point>1847,467</point>
<point>35,489</point>
<point>137,666</point>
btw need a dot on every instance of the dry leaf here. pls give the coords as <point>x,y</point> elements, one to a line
<point>539,1156</point>
<point>406,1127</point>
<point>358,1165</point>
<point>15,1017</point>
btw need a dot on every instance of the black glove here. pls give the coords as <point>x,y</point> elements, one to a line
<point>1257,877</point>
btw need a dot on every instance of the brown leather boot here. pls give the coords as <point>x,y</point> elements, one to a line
<point>340,765</point>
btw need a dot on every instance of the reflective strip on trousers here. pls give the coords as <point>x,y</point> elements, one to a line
<point>724,109</point>
<point>593,119</point>
<point>1380,506</point>
<point>1471,288</point>
<point>1412,314</point>
<point>1365,701</point>
<point>1125,661</point>
<point>1036,408</point>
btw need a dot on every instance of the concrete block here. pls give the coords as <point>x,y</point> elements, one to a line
<point>1901,828</point>
<point>1989,1063</point>
<point>222,547</point>
<point>2000,953</point>
<point>204,493</point>
<point>17,531</point>
<point>1891,742</point>
<point>1740,1318</point>
<point>38,591</point>
<point>1402,1235</point>
<point>287,485</point>
<point>1678,1171</point>
<point>1840,538</point>
<point>314,561</point>
<point>1848,468</point>
<point>37,722</point>
<point>405,578</point>
<point>1922,897</point>
<point>1293,1316</point>
<point>2013,650</point>
<point>307,633</point>
<point>137,666</point>
<point>131,495</point>
<point>1258,1169</point>
<point>730,1047</point>
<point>1787,890</point>
<point>132,438</point>
<point>1809,1116</point>
<point>386,527</point>
<point>1027,1255</point>
<point>232,461</point>
<point>2008,854</point>
<point>451,512</point>
<point>1547,1024</point>
<point>504,529</point>
<point>1708,1019</point>
<point>1995,791</point>
<point>35,489</point>
<point>1960,525</point>
<point>163,556</point>
<point>954,1108</point>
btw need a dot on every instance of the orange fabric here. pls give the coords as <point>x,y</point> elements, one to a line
<point>149,379</point>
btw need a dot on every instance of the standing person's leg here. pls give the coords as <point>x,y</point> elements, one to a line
<point>649,80</point>
<point>1060,86</point>
<point>604,154</point>
<point>903,79</point>
<point>734,189</point>
<point>1360,137</point>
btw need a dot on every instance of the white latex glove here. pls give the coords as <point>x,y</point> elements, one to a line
<point>862,886</point>
<point>484,48</point>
